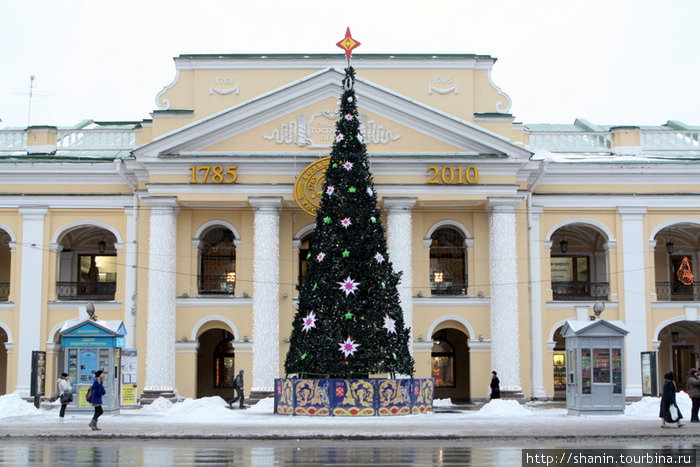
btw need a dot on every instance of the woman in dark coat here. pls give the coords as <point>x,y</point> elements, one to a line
<point>668,399</point>
<point>694,393</point>
<point>98,390</point>
<point>495,386</point>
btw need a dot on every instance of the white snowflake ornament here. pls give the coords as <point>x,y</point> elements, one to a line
<point>309,322</point>
<point>349,347</point>
<point>348,286</point>
<point>389,325</point>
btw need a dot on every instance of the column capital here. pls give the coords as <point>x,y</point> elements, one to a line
<point>632,210</point>
<point>266,203</point>
<point>34,211</point>
<point>505,204</point>
<point>399,204</point>
<point>161,202</point>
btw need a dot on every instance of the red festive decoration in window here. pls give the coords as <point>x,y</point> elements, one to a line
<point>684,274</point>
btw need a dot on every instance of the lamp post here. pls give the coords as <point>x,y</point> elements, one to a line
<point>598,308</point>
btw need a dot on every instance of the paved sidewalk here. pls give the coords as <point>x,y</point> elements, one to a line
<point>544,424</point>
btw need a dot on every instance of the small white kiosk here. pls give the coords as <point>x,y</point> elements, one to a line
<point>594,367</point>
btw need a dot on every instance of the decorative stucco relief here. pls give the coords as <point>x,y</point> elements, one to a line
<point>318,131</point>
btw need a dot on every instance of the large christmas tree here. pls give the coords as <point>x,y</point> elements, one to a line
<point>349,323</point>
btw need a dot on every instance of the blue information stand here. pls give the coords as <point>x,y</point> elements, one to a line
<point>88,346</point>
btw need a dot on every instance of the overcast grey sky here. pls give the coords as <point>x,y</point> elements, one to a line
<point>619,62</point>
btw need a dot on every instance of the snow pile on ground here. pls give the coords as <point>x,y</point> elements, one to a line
<point>442,402</point>
<point>646,406</point>
<point>649,406</point>
<point>157,406</point>
<point>266,405</point>
<point>206,408</point>
<point>504,408</point>
<point>194,409</point>
<point>11,405</point>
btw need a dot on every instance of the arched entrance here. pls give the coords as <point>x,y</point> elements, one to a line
<point>3,362</point>
<point>450,365</point>
<point>216,364</point>
<point>679,351</point>
<point>559,366</point>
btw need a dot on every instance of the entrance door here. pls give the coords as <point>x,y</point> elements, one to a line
<point>216,364</point>
<point>682,362</point>
<point>450,365</point>
<point>3,363</point>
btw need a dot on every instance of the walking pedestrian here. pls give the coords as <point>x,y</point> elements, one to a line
<point>97,391</point>
<point>238,386</point>
<point>694,392</point>
<point>65,393</point>
<point>668,400</point>
<point>495,386</point>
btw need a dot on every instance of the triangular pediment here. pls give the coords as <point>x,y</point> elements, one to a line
<point>313,94</point>
<point>313,128</point>
<point>81,328</point>
<point>593,328</point>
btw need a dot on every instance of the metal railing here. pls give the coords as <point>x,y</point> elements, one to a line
<point>4,291</point>
<point>446,288</point>
<point>216,284</point>
<point>579,290</point>
<point>86,290</point>
<point>673,291</point>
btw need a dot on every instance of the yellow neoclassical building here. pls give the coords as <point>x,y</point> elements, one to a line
<point>188,232</point>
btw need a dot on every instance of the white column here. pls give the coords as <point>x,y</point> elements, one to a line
<point>634,249</point>
<point>505,345</point>
<point>160,327</point>
<point>130,252</point>
<point>31,248</point>
<point>399,247</point>
<point>536,341</point>
<point>266,303</point>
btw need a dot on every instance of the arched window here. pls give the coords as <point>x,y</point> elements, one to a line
<point>87,264</point>
<point>443,362</point>
<point>217,262</point>
<point>448,262</point>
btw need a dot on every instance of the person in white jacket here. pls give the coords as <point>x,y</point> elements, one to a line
<point>63,387</point>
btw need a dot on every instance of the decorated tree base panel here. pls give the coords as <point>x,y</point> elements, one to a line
<point>353,397</point>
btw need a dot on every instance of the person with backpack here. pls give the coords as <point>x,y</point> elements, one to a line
<point>238,386</point>
<point>95,393</point>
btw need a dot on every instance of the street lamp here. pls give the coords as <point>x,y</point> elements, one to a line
<point>598,308</point>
